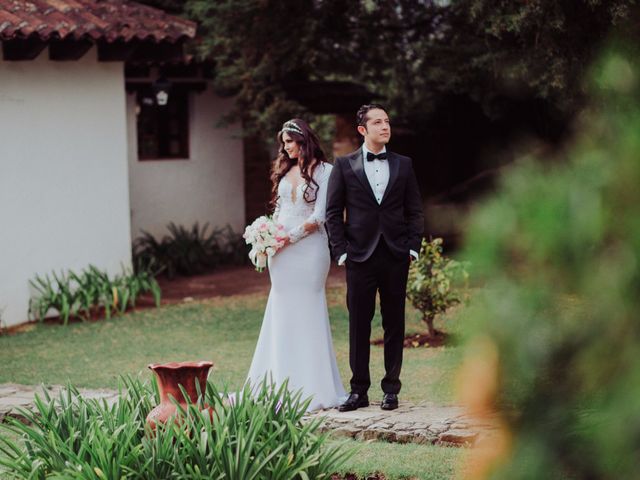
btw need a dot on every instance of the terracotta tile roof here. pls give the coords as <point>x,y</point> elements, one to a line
<point>109,20</point>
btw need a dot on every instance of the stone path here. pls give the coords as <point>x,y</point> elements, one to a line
<point>13,397</point>
<point>424,423</point>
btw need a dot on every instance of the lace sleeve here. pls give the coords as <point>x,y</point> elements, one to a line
<point>276,211</point>
<point>318,216</point>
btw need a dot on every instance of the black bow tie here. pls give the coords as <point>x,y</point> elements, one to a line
<point>372,156</point>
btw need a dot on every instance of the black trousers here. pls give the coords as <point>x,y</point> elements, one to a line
<point>384,273</point>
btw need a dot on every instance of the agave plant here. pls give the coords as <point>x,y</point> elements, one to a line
<point>87,292</point>
<point>107,291</point>
<point>234,250</point>
<point>137,282</point>
<point>150,254</point>
<point>57,294</point>
<point>192,250</point>
<point>189,251</point>
<point>260,435</point>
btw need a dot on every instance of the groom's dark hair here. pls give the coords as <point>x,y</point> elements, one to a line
<point>361,116</point>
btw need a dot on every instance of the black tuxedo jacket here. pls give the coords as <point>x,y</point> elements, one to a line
<point>398,218</point>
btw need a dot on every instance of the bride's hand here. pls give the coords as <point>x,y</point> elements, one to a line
<point>285,241</point>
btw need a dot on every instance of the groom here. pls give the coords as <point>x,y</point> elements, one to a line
<point>376,241</point>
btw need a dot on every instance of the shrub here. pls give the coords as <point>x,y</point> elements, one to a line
<point>431,286</point>
<point>259,436</point>
<point>189,251</point>
<point>87,293</point>
<point>556,327</point>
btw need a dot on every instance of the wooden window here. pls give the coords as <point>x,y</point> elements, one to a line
<point>163,130</point>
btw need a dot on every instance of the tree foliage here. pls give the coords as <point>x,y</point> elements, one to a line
<point>261,47</point>
<point>535,47</point>
<point>411,53</point>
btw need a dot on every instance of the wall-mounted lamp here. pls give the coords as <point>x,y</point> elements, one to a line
<point>161,88</point>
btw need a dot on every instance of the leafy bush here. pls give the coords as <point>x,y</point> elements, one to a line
<point>432,281</point>
<point>189,252</point>
<point>259,436</point>
<point>89,292</point>
<point>557,337</point>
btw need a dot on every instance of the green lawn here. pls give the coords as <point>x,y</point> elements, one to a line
<point>405,461</point>
<point>225,331</point>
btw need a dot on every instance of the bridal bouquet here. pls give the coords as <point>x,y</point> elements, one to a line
<point>266,237</point>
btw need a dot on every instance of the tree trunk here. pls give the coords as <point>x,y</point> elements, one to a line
<point>428,319</point>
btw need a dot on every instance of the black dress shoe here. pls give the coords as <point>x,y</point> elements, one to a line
<point>389,401</point>
<point>354,402</point>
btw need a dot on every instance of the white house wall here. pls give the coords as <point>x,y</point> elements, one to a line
<point>207,187</point>
<point>64,192</point>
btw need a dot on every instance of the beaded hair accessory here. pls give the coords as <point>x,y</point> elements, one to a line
<point>291,127</point>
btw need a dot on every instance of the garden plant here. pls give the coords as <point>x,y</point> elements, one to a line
<point>187,251</point>
<point>90,292</point>
<point>257,435</point>
<point>436,283</point>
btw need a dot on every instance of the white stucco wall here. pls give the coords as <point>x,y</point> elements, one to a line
<point>207,187</point>
<point>64,192</point>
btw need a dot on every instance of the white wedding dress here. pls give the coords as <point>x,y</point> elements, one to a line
<point>295,339</point>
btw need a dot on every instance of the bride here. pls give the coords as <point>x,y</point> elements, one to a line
<point>295,338</point>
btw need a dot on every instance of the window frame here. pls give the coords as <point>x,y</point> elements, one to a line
<point>183,118</point>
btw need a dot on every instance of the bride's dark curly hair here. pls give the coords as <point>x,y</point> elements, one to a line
<point>310,156</point>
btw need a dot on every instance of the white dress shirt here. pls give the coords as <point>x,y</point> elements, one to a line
<point>377,172</point>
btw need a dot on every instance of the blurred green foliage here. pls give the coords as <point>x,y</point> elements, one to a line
<point>559,249</point>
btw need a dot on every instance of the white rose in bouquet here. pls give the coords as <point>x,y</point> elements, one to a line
<point>266,237</point>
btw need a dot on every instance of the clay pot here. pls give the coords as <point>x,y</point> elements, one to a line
<point>169,376</point>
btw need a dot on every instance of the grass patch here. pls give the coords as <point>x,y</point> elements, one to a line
<point>224,330</point>
<point>404,461</point>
